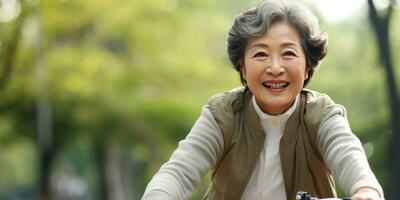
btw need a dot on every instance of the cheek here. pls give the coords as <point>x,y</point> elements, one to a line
<point>297,73</point>
<point>302,70</point>
<point>248,69</point>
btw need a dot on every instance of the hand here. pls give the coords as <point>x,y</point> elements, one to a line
<point>366,193</point>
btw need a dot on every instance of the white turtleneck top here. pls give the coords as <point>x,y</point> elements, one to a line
<point>266,181</point>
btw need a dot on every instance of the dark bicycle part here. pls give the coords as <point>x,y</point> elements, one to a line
<point>304,196</point>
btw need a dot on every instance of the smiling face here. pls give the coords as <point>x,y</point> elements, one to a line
<point>274,67</point>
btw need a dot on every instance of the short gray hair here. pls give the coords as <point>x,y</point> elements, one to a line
<point>256,22</point>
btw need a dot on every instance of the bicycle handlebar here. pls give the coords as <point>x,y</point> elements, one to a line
<point>304,196</point>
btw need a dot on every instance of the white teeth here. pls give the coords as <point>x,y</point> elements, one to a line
<point>275,85</point>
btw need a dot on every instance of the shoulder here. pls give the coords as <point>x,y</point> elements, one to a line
<point>316,99</point>
<point>229,101</point>
<point>226,107</point>
<point>319,106</point>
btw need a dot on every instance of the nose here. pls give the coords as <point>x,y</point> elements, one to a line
<point>274,67</point>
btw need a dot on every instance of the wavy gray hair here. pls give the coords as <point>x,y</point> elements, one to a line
<point>256,22</point>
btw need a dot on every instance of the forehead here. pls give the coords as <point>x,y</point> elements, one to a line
<point>278,34</point>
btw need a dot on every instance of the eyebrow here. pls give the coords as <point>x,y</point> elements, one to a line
<point>285,44</point>
<point>259,45</point>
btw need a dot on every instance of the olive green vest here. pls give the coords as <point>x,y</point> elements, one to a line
<point>303,167</point>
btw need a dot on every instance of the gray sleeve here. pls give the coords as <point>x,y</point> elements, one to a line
<point>195,155</point>
<point>344,154</point>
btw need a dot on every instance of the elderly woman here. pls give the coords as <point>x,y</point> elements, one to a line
<point>271,138</point>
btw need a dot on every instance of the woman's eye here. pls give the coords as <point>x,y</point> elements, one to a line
<point>289,53</point>
<point>260,54</point>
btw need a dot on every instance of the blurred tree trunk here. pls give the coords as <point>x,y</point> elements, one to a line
<point>10,49</point>
<point>43,112</point>
<point>115,173</point>
<point>380,25</point>
<point>44,130</point>
<point>112,184</point>
<point>45,149</point>
<point>45,161</point>
<point>101,160</point>
<point>128,176</point>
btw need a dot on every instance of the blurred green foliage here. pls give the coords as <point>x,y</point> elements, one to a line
<point>134,75</point>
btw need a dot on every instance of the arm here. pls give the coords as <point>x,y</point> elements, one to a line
<point>195,155</point>
<point>344,155</point>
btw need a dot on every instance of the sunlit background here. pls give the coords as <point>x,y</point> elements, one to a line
<point>95,95</point>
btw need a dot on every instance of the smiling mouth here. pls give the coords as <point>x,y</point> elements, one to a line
<point>275,85</point>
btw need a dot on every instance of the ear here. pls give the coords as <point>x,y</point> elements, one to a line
<point>306,74</point>
<point>243,69</point>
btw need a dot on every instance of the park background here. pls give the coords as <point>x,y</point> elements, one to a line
<point>96,94</point>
